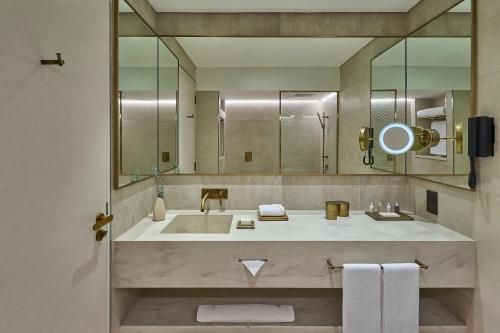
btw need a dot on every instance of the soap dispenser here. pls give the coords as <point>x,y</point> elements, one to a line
<point>159,209</point>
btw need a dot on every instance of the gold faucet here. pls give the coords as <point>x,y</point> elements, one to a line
<point>203,201</point>
<point>212,193</point>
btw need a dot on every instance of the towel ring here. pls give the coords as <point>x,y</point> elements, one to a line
<point>420,264</point>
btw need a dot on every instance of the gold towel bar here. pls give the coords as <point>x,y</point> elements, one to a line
<point>333,267</point>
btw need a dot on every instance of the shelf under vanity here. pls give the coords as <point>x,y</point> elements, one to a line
<point>172,273</point>
<point>316,311</point>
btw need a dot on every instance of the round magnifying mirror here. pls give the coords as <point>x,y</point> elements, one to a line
<point>396,138</point>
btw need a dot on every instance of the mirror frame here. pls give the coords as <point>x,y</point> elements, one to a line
<point>115,111</point>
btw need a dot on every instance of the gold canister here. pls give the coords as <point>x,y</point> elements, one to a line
<point>343,208</point>
<point>332,210</point>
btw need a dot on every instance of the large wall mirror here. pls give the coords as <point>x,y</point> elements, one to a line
<point>146,84</point>
<point>421,98</point>
<point>274,105</point>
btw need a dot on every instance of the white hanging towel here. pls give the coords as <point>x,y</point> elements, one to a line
<point>253,266</point>
<point>400,298</point>
<point>245,313</point>
<point>361,306</point>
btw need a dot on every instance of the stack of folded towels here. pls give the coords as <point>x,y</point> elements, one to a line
<point>272,210</point>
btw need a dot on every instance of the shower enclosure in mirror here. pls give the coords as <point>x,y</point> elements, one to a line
<point>146,81</point>
<point>309,132</point>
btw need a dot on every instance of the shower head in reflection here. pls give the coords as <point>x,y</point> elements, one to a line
<point>321,121</point>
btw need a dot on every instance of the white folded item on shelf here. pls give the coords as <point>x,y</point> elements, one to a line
<point>245,313</point>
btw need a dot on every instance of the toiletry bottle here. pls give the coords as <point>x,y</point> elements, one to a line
<point>379,207</point>
<point>397,208</point>
<point>388,208</point>
<point>371,207</point>
<point>159,209</point>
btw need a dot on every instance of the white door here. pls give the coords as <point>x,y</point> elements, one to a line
<point>187,122</point>
<point>54,166</point>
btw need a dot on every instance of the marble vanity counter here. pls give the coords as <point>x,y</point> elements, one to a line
<point>302,226</point>
<point>295,251</point>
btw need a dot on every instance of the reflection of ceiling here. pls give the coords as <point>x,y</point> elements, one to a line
<point>439,52</point>
<point>238,6</point>
<point>423,93</point>
<point>429,52</point>
<point>137,52</point>
<point>270,52</point>
<point>141,52</point>
<point>463,7</point>
<point>395,56</point>
<point>123,7</point>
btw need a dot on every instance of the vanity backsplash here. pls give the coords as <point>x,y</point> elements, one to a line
<point>294,192</point>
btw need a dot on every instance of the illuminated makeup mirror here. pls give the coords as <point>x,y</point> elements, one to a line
<point>396,138</point>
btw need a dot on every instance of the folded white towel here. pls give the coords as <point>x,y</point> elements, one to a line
<point>361,309</point>
<point>245,313</point>
<point>253,266</point>
<point>400,298</point>
<point>271,210</point>
<point>438,111</point>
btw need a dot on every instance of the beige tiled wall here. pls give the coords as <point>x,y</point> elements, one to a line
<point>131,204</point>
<point>295,192</point>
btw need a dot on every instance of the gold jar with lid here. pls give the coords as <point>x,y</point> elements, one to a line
<point>332,209</point>
<point>343,208</point>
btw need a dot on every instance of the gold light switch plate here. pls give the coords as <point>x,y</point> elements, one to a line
<point>248,156</point>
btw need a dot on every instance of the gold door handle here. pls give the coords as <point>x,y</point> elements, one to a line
<point>101,220</point>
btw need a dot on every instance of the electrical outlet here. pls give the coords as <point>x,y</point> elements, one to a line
<point>432,202</point>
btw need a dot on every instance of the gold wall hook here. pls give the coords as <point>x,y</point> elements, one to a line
<point>59,61</point>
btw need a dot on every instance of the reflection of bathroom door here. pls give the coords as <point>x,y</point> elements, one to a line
<point>54,161</point>
<point>187,122</point>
